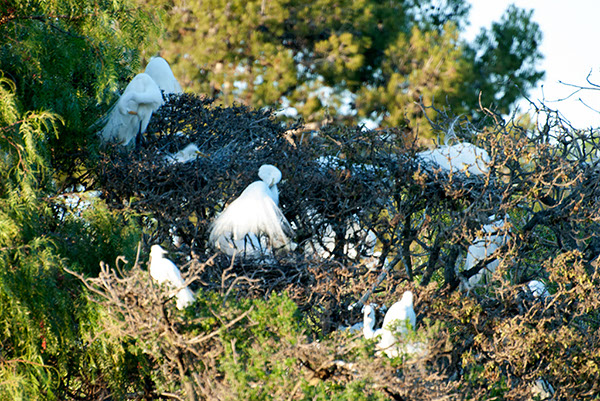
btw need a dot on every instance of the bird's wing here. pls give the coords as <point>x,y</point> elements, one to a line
<point>253,212</point>
<point>184,298</point>
<point>119,126</point>
<point>162,269</point>
<point>399,315</point>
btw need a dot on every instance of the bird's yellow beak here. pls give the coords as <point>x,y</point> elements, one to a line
<point>132,112</point>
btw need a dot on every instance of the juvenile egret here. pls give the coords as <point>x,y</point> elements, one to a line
<point>538,289</point>
<point>255,213</point>
<point>165,271</point>
<point>493,238</point>
<point>189,153</point>
<point>161,73</point>
<point>397,321</point>
<point>131,114</point>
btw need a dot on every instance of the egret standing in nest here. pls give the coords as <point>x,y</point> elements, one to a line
<point>165,271</point>
<point>399,319</point>
<point>161,73</point>
<point>130,116</point>
<point>462,156</point>
<point>251,219</point>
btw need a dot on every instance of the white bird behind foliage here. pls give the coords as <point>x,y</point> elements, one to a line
<point>482,247</point>
<point>253,215</point>
<point>398,321</point>
<point>463,156</point>
<point>538,289</point>
<point>355,235</point>
<point>132,111</point>
<point>160,71</point>
<point>189,153</point>
<point>164,271</point>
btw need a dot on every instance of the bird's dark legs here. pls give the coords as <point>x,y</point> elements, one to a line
<point>138,137</point>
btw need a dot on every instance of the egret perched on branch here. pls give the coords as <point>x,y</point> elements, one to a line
<point>483,247</point>
<point>131,114</point>
<point>165,271</point>
<point>462,156</point>
<point>189,153</point>
<point>398,320</point>
<point>254,215</point>
<point>161,73</point>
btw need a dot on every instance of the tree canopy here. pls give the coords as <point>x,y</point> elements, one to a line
<point>376,59</point>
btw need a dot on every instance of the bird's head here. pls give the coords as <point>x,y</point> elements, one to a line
<point>191,150</point>
<point>369,315</point>
<point>270,174</point>
<point>407,298</point>
<point>157,251</point>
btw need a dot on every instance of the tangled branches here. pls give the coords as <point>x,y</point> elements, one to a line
<point>344,185</point>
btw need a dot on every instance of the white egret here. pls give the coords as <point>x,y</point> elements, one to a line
<point>538,289</point>
<point>463,156</point>
<point>160,71</point>
<point>483,247</point>
<point>358,241</point>
<point>189,153</point>
<point>165,271</point>
<point>254,214</point>
<point>398,320</point>
<point>131,114</point>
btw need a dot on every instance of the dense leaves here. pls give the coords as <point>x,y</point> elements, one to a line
<point>69,57</point>
<point>350,60</point>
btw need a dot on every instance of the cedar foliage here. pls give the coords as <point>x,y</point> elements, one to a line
<point>70,57</point>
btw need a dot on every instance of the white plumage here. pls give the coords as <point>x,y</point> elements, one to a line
<point>164,271</point>
<point>133,110</point>
<point>254,214</point>
<point>483,247</point>
<point>160,71</point>
<point>398,320</point>
<point>359,241</point>
<point>463,156</point>
<point>538,289</point>
<point>189,153</point>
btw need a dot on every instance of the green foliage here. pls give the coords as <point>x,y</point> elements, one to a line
<point>68,57</point>
<point>98,234</point>
<point>257,354</point>
<point>389,55</point>
<point>504,60</point>
<point>43,316</point>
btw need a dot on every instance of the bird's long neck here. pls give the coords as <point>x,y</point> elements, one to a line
<point>368,331</point>
<point>368,324</point>
<point>274,194</point>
